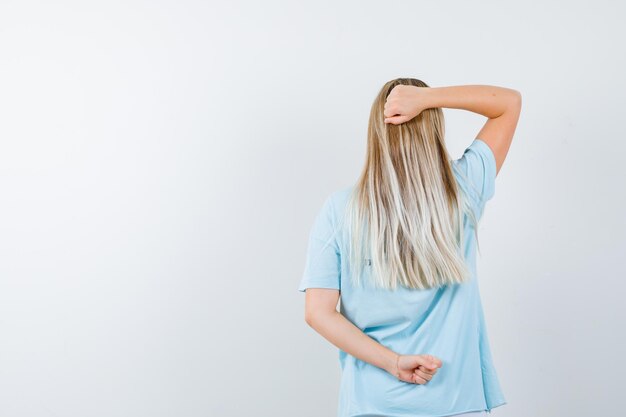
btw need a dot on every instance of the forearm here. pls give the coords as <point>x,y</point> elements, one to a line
<point>487,100</point>
<point>338,330</point>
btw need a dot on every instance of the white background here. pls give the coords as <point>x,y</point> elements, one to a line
<point>161,163</point>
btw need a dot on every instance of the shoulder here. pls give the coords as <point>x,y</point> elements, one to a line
<point>338,199</point>
<point>475,170</point>
<point>478,150</point>
<point>333,208</point>
<point>342,193</point>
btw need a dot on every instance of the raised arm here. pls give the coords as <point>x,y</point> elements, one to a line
<point>502,107</point>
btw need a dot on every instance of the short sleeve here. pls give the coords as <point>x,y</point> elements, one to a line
<point>478,166</point>
<point>323,262</point>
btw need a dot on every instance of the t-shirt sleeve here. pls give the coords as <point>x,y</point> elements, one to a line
<point>478,165</point>
<point>323,260</point>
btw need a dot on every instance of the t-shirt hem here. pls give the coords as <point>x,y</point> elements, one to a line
<point>455,413</point>
<point>317,284</point>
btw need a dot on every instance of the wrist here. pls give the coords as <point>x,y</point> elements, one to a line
<point>392,363</point>
<point>429,97</point>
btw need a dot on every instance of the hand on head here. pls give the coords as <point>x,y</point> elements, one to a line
<point>403,103</point>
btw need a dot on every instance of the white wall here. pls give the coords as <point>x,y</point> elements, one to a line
<point>161,163</point>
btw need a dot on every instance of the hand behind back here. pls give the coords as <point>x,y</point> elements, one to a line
<point>418,369</point>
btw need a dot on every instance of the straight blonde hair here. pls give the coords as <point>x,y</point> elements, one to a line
<point>405,213</point>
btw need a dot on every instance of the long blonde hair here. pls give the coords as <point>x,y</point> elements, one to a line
<point>406,210</point>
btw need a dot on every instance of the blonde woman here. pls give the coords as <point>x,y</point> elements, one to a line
<point>398,249</point>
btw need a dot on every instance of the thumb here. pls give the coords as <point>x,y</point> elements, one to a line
<point>430,361</point>
<point>396,120</point>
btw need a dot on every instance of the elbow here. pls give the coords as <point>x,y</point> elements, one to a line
<point>514,104</point>
<point>309,318</point>
<point>516,98</point>
<point>315,318</point>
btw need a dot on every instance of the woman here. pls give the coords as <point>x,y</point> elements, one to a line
<point>399,247</point>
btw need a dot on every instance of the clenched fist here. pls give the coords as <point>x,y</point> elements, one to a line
<point>417,369</point>
<point>403,103</point>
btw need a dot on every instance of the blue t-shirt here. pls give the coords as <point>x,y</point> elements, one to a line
<point>446,322</point>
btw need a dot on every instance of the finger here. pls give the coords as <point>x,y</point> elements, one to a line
<point>437,361</point>
<point>434,362</point>
<point>423,375</point>
<point>389,111</point>
<point>418,379</point>
<point>427,361</point>
<point>396,120</point>
<point>392,109</point>
<point>427,369</point>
